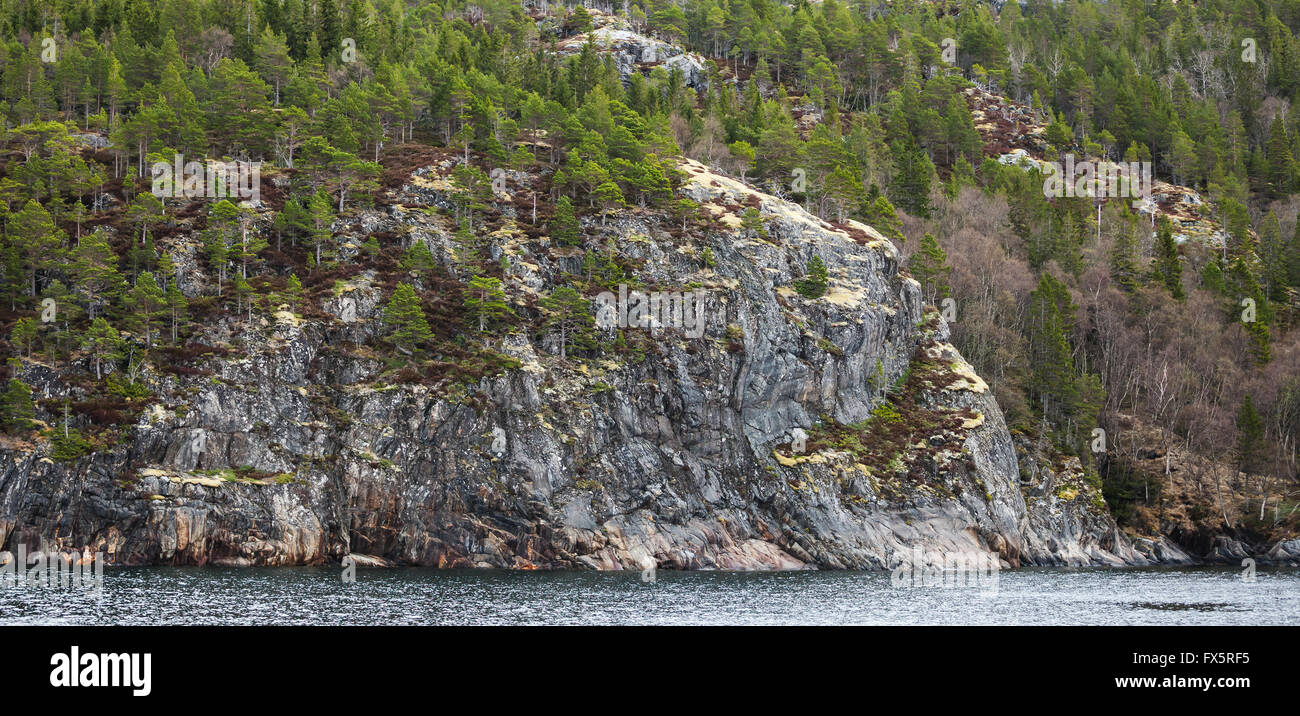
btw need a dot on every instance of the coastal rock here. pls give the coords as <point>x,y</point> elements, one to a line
<point>288,451</point>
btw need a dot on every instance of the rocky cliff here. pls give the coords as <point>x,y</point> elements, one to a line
<point>834,432</point>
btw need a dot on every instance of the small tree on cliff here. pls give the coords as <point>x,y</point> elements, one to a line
<point>16,409</point>
<point>103,343</point>
<point>564,224</point>
<point>485,301</point>
<point>815,282</point>
<point>405,318</point>
<point>569,314</point>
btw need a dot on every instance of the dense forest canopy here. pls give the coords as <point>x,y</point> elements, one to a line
<point>1080,316</point>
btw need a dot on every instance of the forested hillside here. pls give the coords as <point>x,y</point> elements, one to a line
<point>1153,341</point>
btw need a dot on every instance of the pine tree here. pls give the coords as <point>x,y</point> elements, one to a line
<point>243,296</point>
<point>1292,257</point>
<point>147,304</point>
<point>293,292</point>
<point>320,219</point>
<point>23,334</point>
<point>1261,339</point>
<point>1058,133</point>
<point>94,265</point>
<point>404,317</point>
<point>569,314</point>
<point>145,210</point>
<point>485,301</point>
<point>1281,169</point>
<point>881,216</point>
<point>103,343</point>
<point>177,307</point>
<point>40,240</point>
<point>607,196</point>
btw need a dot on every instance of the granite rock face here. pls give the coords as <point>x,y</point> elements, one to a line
<point>634,52</point>
<point>691,456</point>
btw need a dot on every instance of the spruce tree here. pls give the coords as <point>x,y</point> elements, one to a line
<point>564,224</point>
<point>1166,261</point>
<point>418,257</point>
<point>1250,436</point>
<point>815,281</point>
<point>929,266</point>
<point>1123,258</point>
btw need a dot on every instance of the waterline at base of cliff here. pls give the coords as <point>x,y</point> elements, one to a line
<point>319,596</point>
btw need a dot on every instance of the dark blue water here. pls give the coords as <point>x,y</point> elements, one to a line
<point>169,595</point>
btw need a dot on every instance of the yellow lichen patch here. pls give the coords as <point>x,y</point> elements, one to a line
<point>968,380</point>
<point>972,423</point>
<point>509,231</point>
<point>849,295</point>
<point>287,318</point>
<point>815,458</point>
<point>731,220</point>
<point>435,182</point>
<point>204,480</point>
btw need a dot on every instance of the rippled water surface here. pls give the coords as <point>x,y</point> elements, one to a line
<point>171,595</point>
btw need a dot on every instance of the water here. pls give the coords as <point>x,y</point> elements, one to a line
<point>309,595</point>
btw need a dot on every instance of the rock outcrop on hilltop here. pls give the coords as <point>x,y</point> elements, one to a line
<point>635,52</point>
<point>835,432</point>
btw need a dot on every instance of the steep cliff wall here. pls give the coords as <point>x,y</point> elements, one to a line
<point>836,432</point>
